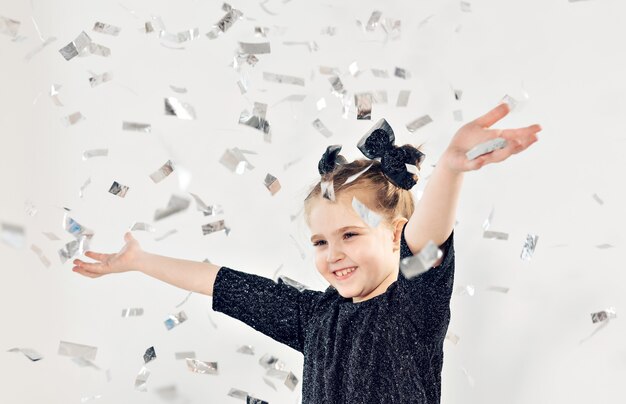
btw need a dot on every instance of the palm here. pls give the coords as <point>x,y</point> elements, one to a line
<point>122,261</point>
<point>478,131</point>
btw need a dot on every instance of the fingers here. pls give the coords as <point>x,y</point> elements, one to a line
<point>493,116</point>
<point>96,256</point>
<point>128,237</point>
<point>88,266</point>
<point>83,272</point>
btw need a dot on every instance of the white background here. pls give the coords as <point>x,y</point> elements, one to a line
<point>520,347</point>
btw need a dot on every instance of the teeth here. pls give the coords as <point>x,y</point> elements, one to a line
<point>345,271</point>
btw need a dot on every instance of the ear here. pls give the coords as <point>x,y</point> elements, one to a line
<point>396,226</point>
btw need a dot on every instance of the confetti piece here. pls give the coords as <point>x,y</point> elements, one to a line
<point>9,26</point>
<point>270,383</point>
<point>106,29</point>
<point>95,153</point>
<point>465,290</point>
<point>486,147</point>
<point>197,366</point>
<point>174,320</point>
<point>291,381</point>
<point>402,73</point>
<point>137,127</point>
<point>184,355</point>
<point>73,119</point>
<point>253,400</point>
<point>363,103</point>
<point>380,73</point>
<point>372,23</point>
<point>418,123</point>
<point>453,338</point>
<point>84,363</point>
<point>213,227</point>
<point>132,312</point>
<point>175,204</point>
<point>370,217</point>
<point>142,379</point>
<point>44,260</point>
<point>204,208</point>
<point>421,262</point>
<point>90,398</point>
<point>29,353</point>
<point>118,189</point>
<point>236,393</point>
<point>604,315</point>
<point>488,234</point>
<point>379,97</point>
<point>246,349</point>
<point>500,289</point>
<point>457,115</point>
<point>330,31</point>
<point>269,361</point>
<point>321,128</point>
<point>529,247</point>
<point>272,184</point>
<point>160,174</point>
<point>312,45</point>
<point>39,48</point>
<point>180,37</point>
<point>51,236</point>
<point>81,191</point>
<point>167,234</point>
<point>150,355</point>
<point>337,85</point>
<point>256,119</point>
<point>54,94</point>
<point>234,160</point>
<point>13,235</point>
<point>75,47</point>
<point>98,79</point>
<point>225,23</point>
<point>167,393</point>
<point>604,246</point>
<point>466,7</point>
<point>283,79</point>
<point>77,350</point>
<point>357,175</point>
<point>403,98</point>
<point>184,300</point>
<point>328,190</point>
<point>291,282</point>
<point>179,90</point>
<point>140,226</point>
<point>179,109</point>
<point>255,48</point>
<point>598,199</point>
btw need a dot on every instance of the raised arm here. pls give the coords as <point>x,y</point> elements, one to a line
<point>194,276</point>
<point>434,215</point>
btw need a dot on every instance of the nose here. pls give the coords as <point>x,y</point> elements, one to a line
<point>334,253</point>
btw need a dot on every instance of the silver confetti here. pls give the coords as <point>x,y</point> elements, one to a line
<point>529,247</point>
<point>184,355</point>
<point>175,107</point>
<point>489,234</point>
<point>90,398</point>
<point>84,363</point>
<point>357,175</point>
<point>118,189</point>
<point>330,31</point>
<point>382,74</point>
<point>69,250</point>
<point>174,320</point>
<point>99,50</point>
<point>39,48</point>
<point>168,393</point>
<point>329,70</point>
<point>13,235</point>
<point>283,79</point>
<point>255,48</point>
<point>179,90</point>
<point>197,366</point>
<point>418,123</point>
<point>141,226</point>
<point>253,400</point>
<point>225,23</point>
<point>598,199</point>
<point>77,350</point>
<point>204,208</point>
<point>73,119</point>
<point>180,37</point>
<point>98,79</point>
<point>604,315</point>
<point>236,393</point>
<point>457,115</point>
<point>353,69</point>
<point>269,361</point>
<point>280,374</point>
<point>291,381</point>
<point>458,94</point>
<point>54,94</point>
<point>30,208</point>
<point>391,27</point>
<point>75,47</point>
<point>421,262</point>
<point>137,127</point>
<point>465,290</point>
<point>175,204</point>
<point>132,312</point>
<point>150,355</point>
<point>500,289</point>
<point>486,147</point>
<point>256,119</point>
<point>81,191</point>
<point>44,260</point>
<point>288,281</point>
<point>142,379</point>
<point>106,29</point>
<point>51,236</point>
<point>270,383</point>
<point>160,174</point>
<point>213,227</point>
<point>604,246</point>
<point>328,190</point>
<point>511,102</point>
<point>363,104</point>
<point>87,154</point>
<point>379,97</point>
<point>9,26</point>
<point>372,23</point>
<point>402,73</point>
<point>234,160</point>
<point>321,128</point>
<point>466,7</point>
<point>370,217</point>
<point>337,85</point>
<point>403,98</point>
<point>246,349</point>
<point>321,104</point>
<point>312,45</point>
<point>453,338</point>
<point>487,222</point>
<point>272,184</point>
<point>29,353</point>
<point>184,300</point>
<point>166,234</point>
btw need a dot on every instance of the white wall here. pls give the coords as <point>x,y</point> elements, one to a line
<point>522,347</point>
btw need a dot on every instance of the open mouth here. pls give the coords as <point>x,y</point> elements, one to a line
<point>344,273</point>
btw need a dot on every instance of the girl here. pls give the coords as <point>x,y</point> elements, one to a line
<point>374,336</point>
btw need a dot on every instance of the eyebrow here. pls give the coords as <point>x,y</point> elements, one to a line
<point>338,231</point>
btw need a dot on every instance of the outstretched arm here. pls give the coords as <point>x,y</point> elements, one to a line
<point>189,275</point>
<point>434,215</point>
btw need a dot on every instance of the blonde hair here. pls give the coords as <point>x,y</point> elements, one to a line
<point>388,200</point>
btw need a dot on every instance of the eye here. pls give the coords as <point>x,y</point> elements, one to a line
<point>317,243</point>
<point>350,234</point>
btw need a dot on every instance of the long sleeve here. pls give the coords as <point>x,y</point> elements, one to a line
<point>277,310</point>
<point>426,297</point>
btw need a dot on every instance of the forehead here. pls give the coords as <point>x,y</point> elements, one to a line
<point>327,217</point>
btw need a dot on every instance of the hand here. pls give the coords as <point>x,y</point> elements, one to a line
<point>125,260</point>
<point>477,131</point>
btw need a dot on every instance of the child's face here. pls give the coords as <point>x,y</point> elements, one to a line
<point>373,251</point>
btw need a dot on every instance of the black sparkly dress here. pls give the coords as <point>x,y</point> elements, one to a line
<point>387,349</point>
